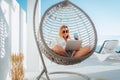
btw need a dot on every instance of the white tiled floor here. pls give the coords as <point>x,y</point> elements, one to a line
<point>91,67</point>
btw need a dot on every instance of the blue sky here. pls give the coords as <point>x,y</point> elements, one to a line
<point>23,4</point>
<point>104,13</point>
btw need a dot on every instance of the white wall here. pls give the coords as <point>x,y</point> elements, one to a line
<point>4,41</point>
<point>32,52</point>
<point>18,30</point>
<point>15,28</point>
<point>22,35</point>
<point>15,19</point>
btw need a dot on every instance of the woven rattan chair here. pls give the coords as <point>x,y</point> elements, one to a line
<point>64,13</point>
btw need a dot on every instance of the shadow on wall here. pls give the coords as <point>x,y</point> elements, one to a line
<point>4,47</point>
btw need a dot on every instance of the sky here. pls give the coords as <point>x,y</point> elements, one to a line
<point>105,14</point>
<point>23,4</point>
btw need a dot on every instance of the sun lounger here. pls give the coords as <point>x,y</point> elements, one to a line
<point>107,50</point>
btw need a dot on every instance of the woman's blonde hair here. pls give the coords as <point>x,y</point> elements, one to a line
<point>60,31</point>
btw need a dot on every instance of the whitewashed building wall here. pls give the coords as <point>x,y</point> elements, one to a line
<point>13,24</point>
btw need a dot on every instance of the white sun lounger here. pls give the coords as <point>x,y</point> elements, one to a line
<point>108,50</point>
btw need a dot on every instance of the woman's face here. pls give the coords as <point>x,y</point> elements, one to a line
<point>65,33</point>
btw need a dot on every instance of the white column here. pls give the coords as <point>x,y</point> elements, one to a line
<point>22,34</point>
<point>33,62</point>
<point>15,28</point>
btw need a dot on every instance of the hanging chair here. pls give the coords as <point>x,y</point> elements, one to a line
<point>65,13</point>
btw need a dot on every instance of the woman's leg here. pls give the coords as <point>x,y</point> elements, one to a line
<point>82,52</point>
<point>59,50</point>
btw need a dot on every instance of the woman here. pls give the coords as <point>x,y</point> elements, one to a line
<point>59,47</point>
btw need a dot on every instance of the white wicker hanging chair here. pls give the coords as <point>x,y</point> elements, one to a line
<point>65,13</point>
